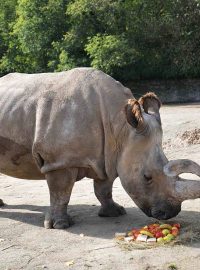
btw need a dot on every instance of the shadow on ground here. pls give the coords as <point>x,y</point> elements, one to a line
<point>85,217</point>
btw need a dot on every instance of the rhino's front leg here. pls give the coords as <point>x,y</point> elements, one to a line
<point>103,192</point>
<point>60,185</point>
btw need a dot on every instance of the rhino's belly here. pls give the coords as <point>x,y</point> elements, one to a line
<point>17,161</point>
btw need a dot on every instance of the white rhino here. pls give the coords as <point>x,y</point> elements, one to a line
<point>82,123</point>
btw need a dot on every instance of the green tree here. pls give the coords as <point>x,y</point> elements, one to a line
<point>7,16</point>
<point>39,23</point>
<point>129,39</point>
<point>87,19</point>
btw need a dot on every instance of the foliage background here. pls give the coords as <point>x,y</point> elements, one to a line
<point>128,39</point>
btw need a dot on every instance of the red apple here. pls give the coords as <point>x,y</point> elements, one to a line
<point>155,230</point>
<point>151,227</point>
<point>159,234</point>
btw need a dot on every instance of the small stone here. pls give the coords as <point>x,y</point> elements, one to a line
<point>82,235</point>
<point>2,240</point>
<point>69,263</point>
<point>44,267</point>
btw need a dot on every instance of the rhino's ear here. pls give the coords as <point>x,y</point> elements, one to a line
<point>133,113</point>
<point>151,104</point>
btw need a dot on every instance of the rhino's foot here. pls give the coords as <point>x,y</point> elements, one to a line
<point>1,203</point>
<point>112,210</point>
<point>57,223</point>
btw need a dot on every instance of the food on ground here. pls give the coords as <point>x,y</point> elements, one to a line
<point>177,225</point>
<point>165,231</point>
<point>128,239</point>
<point>144,232</point>
<point>168,237</point>
<point>160,240</point>
<point>166,226</point>
<point>142,238</point>
<point>153,239</point>
<point>120,236</point>
<point>175,232</point>
<point>160,233</point>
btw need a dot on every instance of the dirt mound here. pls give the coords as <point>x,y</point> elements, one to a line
<point>191,136</point>
<point>188,137</point>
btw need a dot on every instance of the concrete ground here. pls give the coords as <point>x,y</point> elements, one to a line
<point>25,244</point>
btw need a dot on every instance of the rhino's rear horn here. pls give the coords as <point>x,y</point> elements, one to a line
<point>133,113</point>
<point>151,104</point>
<point>176,167</point>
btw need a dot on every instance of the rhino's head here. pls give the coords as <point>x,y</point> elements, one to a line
<point>145,173</point>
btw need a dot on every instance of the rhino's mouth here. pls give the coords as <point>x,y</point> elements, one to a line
<point>162,210</point>
<point>167,213</point>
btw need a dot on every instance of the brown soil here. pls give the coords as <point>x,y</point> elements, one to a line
<point>191,136</point>
<point>184,139</point>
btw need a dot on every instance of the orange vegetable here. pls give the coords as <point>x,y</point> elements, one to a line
<point>177,225</point>
<point>175,232</point>
<point>135,235</point>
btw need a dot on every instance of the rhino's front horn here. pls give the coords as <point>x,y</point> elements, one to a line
<point>184,189</point>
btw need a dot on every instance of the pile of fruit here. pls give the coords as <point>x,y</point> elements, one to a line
<point>160,233</point>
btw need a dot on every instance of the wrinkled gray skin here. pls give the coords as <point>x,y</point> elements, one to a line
<point>69,125</point>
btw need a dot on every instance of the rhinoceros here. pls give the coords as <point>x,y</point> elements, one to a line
<point>80,123</point>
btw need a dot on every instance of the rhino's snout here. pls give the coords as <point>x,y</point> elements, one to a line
<point>162,211</point>
<point>165,211</point>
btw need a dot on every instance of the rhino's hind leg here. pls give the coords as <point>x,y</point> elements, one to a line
<point>60,185</point>
<point>1,203</point>
<point>103,192</point>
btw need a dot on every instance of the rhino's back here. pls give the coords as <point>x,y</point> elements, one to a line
<point>22,96</point>
<point>58,116</point>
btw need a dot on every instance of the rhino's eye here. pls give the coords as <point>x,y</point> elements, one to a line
<point>148,179</point>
